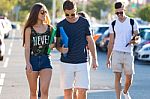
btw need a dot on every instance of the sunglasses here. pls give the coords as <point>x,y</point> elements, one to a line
<point>43,12</point>
<point>119,13</point>
<point>69,14</point>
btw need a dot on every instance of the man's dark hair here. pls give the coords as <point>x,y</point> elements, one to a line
<point>118,5</point>
<point>69,5</point>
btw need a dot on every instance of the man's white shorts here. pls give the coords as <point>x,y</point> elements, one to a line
<point>75,75</point>
<point>123,61</point>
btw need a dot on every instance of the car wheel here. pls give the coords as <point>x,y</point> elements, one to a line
<point>1,58</point>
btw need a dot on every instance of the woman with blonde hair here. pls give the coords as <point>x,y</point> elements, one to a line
<point>36,41</point>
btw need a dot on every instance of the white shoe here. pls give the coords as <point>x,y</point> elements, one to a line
<point>127,95</point>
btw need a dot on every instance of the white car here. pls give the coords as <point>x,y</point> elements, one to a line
<point>5,26</point>
<point>144,53</point>
<point>2,47</point>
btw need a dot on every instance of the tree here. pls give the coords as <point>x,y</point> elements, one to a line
<point>144,13</point>
<point>6,6</point>
<point>26,5</point>
<point>96,6</point>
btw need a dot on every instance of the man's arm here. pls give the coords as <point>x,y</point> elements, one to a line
<point>110,48</point>
<point>93,51</point>
<point>58,46</point>
<point>136,38</point>
<point>92,47</point>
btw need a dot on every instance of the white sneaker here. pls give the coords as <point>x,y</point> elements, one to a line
<point>127,95</point>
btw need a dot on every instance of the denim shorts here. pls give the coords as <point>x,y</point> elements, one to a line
<point>40,62</point>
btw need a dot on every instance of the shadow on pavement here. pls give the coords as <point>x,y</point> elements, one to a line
<point>102,94</point>
<point>142,62</point>
<point>60,97</point>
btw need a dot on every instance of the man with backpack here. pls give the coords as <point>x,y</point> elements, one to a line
<point>123,34</point>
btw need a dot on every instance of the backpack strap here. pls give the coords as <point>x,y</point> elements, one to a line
<point>132,23</point>
<point>113,25</point>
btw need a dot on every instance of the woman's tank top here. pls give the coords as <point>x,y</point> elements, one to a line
<point>39,42</point>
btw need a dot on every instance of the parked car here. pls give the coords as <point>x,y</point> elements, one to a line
<point>15,25</point>
<point>5,26</point>
<point>145,39</point>
<point>144,53</point>
<point>101,28</point>
<point>99,34</point>
<point>103,41</point>
<point>143,27</point>
<point>2,47</point>
<point>141,22</point>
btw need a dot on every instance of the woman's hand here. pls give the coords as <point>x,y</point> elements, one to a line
<point>52,46</point>
<point>28,67</point>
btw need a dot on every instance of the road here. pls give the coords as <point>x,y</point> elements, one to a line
<point>14,85</point>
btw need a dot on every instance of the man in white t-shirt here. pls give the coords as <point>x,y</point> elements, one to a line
<point>121,53</point>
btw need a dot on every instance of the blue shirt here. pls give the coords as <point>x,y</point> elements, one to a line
<point>77,42</point>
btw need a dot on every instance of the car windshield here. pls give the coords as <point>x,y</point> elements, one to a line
<point>147,36</point>
<point>142,29</point>
<point>101,30</point>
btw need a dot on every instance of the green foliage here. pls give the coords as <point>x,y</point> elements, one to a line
<point>23,15</point>
<point>95,7</point>
<point>132,15</point>
<point>144,13</point>
<point>6,6</point>
<point>27,4</point>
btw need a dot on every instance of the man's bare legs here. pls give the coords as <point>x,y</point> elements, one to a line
<point>118,84</point>
<point>77,93</point>
<point>128,83</point>
<point>68,94</point>
<point>74,93</point>
<point>81,93</point>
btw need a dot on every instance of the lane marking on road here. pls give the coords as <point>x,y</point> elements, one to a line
<point>11,44</point>
<point>10,48</point>
<point>9,51</point>
<point>2,76</point>
<point>6,62</point>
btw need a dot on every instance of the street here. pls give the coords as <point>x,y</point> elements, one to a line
<point>14,85</point>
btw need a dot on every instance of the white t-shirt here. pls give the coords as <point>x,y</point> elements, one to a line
<point>123,34</point>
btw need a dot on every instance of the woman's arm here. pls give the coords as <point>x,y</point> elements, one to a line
<point>27,48</point>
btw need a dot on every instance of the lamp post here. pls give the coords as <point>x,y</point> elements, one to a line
<point>54,12</point>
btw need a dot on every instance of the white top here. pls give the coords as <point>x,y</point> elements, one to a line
<point>123,34</point>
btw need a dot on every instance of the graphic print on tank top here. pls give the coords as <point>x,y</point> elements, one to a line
<point>39,42</point>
